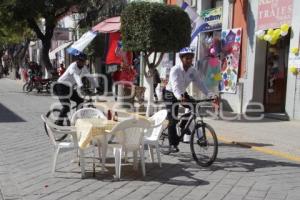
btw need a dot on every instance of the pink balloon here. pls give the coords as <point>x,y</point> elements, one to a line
<point>213,62</point>
<point>212,51</point>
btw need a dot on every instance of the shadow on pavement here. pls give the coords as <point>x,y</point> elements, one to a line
<point>174,174</point>
<point>242,164</point>
<point>6,115</point>
<point>237,163</point>
<point>247,145</point>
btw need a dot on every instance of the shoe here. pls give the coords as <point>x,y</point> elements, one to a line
<point>173,149</point>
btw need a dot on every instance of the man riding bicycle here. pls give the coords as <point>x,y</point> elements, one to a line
<point>181,75</point>
<point>64,88</point>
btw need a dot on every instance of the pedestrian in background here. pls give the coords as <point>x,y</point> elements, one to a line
<point>156,81</point>
<point>61,69</point>
<point>116,76</point>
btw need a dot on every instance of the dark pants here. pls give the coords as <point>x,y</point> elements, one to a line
<point>62,91</point>
<point>172,106</point>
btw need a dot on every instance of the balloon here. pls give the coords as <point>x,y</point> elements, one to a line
<point>283,33</point>
<point>277,32</point>
<point>295,50</point>
<point>270,31</point>
<point>275,36</point>
<point>294,70</point>
<point>285,27</point>
<point>268,38</point>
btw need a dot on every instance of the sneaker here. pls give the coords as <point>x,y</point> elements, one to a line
<point>173,149</point>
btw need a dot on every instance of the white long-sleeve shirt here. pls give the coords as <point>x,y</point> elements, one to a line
<point>73,76</point>
<point>180,79</point>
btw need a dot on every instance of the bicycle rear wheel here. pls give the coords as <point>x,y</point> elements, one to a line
<point>204,145</point>
<point>53,115</point>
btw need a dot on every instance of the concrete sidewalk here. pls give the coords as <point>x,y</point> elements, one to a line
<point>279,138</point>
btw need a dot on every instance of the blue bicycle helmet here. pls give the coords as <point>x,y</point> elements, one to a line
<point>81,56</point>
<point>187,50</point>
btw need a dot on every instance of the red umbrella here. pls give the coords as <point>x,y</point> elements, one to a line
<point>109,25</point>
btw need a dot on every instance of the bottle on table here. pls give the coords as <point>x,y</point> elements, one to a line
<point>115,117</point>
<point>109,115</point>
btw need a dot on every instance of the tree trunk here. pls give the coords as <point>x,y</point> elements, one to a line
<point>150,93</point>
<point>50,24</point>
<point>47,45</point>
<point>45,55</point>
<point>149,79</point>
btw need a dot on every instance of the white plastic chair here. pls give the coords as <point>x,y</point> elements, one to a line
<point>54,130</point>
<point>130,137</point>
<point>153,133</point>
<point>89,113</point>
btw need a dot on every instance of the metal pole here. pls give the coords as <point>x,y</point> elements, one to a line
<point>142,66</point>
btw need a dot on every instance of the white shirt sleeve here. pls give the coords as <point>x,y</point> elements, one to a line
<point>199,83</point>
<point>176,83</point>
<point>76,74</point>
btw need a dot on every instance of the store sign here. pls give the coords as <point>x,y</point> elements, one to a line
<point>213,17</point>
<point>274,13</point>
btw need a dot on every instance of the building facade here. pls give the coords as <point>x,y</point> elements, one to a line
<point>266,80</point>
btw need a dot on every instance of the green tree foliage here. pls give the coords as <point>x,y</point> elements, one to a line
<point>151,28</point>
<point>154,27</point>
<point>14,37</point>
<point>31,12</point>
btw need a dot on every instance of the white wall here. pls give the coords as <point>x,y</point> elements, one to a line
<point>293,85</point>
<point>256,60</point>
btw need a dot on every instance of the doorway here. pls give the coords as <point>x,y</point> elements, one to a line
<point>276,76</point>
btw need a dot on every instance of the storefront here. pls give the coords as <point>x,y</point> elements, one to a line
<point>209,48</point>
<point>269,84</point>
<point>276,76</point>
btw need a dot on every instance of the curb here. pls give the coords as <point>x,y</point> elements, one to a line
<point>264,150</point>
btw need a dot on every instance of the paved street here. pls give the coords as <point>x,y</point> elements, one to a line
<point>26,156</point>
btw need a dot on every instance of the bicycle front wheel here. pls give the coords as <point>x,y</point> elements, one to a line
<point>53,115</point>
<point>204,145</point>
